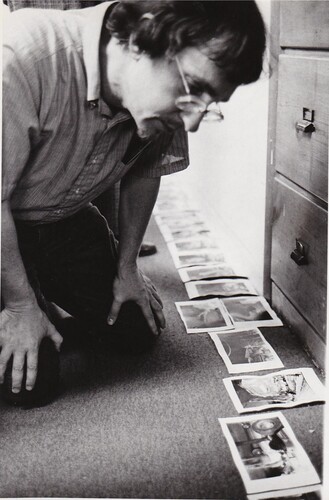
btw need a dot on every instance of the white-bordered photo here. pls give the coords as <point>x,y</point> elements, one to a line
<point>193,231</point>
<point>197,273</point>
<point>219,287</point>
<point>171,205</point>
<point>245,351</point>
<point>267,453</point>
<point>283,389</point>
<point>206,242</point>
<point>251,311</point>
<point>303,493</point>
<point>195,257</point>
<point>204,316</point>
<point>179,220</point>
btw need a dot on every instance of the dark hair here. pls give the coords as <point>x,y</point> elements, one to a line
<point>233,32</point>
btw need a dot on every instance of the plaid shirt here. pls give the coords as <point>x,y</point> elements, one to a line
<point>62,145</point>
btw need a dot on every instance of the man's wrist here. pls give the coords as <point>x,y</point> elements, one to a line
<point>26,304</point>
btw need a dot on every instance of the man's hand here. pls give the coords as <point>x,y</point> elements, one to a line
<point>20,335</point>
<point>133,285</point>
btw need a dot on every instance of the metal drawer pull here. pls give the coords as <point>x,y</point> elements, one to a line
<point>305,126</point>
<point>299,254</point>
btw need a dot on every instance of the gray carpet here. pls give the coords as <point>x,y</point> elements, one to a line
<point>141,427</point>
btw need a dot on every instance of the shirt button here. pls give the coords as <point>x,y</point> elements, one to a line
<point>77,191</point>
<point>58,212</point>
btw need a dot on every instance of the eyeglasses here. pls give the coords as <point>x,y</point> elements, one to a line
<point>190,103</point>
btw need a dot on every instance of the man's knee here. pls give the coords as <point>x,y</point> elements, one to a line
<point>131,332</point>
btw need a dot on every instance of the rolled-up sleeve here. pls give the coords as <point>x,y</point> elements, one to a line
<point>168,154</point>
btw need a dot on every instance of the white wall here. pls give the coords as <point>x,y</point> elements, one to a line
<point>227,175</point>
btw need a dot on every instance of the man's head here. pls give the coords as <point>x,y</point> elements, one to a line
<point>218,45</point>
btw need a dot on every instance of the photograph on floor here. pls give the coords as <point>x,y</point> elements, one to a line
<point>220,287</point>
<point>193,244</point>
<point>196,273</point>
<point>284,389</point>
<point>204,316</point>
<point>179,219</point>
<point>195,230</point>
<point>251,311</point>
<point>196,258</point>
<point>245,351</point>
<point>267,453</point>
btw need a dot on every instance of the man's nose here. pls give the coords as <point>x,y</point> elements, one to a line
<point>191,121</point>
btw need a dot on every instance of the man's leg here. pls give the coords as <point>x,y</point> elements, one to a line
<point>76,268</point>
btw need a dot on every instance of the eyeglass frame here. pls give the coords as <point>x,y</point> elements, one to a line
<point>214,114</point>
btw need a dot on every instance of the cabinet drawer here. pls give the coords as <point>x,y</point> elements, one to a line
<point>303,156</point>
<point>295,216</point>
<point>304,23</point>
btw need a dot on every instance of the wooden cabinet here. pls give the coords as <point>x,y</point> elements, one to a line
<point>297,187</point>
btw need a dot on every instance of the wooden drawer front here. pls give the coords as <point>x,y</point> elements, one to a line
<point>305,286</point>
<point>304,23</point>
<point>303,156</point>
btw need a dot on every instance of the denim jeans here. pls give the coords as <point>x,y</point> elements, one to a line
<point>73,263</point>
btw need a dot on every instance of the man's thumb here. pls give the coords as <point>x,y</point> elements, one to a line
<point>112,317</point>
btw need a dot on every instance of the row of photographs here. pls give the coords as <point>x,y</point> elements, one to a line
<point>271,461</point>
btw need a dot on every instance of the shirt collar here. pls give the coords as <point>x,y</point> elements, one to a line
<point>91,35</point>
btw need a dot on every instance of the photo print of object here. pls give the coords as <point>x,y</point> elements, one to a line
<point>245,351</point>
<point>197,257</point>
<point>220,287</point>
<point>247,312</point>
<point>197,273</point>
<point>267,453</point>
<point>284,389</point>
<point>204,316</point>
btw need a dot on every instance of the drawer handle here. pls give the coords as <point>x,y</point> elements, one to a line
<point>299,254</point>
<point>305,126</point>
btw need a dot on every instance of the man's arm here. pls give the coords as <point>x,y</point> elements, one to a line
<point>23,323</point>
<point>137,198</point>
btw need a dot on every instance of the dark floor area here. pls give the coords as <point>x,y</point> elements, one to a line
<point>141,427</point>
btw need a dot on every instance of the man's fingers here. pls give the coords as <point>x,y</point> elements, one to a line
<point>32,369</point>
<point>158,312</point>
<point>18,371</point>
<point>112,317</point>
<point>4,358</point>
<point>55,337</point>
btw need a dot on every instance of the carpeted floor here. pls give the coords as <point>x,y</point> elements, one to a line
<point>141,427</point>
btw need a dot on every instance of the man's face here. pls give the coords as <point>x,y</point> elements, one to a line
<point>152,86</point>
